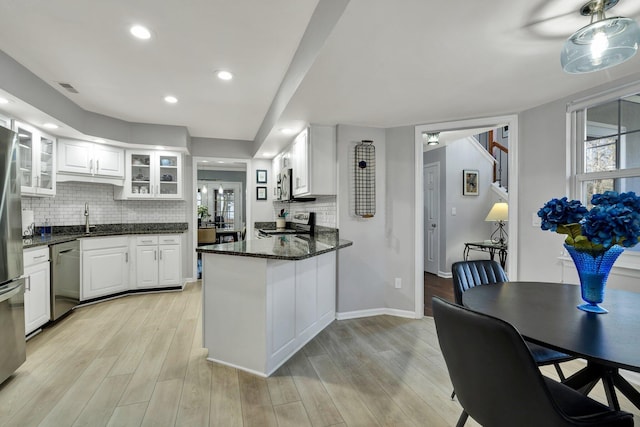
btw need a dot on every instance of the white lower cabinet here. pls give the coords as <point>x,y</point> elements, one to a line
<point>37,304</point>
<point>258,312</point>
<point>105,266</point>
<point>158,261</point>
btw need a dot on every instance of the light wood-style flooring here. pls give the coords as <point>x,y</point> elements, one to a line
<point>138,361</point>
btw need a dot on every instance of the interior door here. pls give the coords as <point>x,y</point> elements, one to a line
<point>431,187</point>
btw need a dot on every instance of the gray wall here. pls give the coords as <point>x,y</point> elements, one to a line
<point>362,268</point>
<point>468,225</point>
<point>399,234</point>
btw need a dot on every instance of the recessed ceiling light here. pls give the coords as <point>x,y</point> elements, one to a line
<point>205,161</point>
<point>170,99</point>
<point>220,161</point>
<point>224,75</point>
<point>51,126</point>
<point>100,140</point>
<point>159,147</point>
<point>266,155</point>
<point>140,32</point>
<point>4,100</point>
<point>287,131</point>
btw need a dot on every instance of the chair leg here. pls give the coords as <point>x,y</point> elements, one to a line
<point>453,394</point>
<point>559,371</point>
<point>463,419</point>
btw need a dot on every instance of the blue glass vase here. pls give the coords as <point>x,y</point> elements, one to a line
<point>593,269</point>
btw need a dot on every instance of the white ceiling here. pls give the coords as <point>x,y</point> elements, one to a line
<point>385,63</point>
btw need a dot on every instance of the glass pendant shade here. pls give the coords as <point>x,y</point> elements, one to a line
<point>600,45</point>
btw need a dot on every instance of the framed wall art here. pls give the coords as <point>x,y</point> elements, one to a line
<point>261,193</point>
<point>469,182</point>
<point>261,176</point>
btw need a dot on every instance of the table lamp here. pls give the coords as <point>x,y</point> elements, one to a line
<point>500,214</point>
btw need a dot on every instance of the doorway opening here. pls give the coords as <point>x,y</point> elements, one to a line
<point>221,212</point>
<point>453,204</point>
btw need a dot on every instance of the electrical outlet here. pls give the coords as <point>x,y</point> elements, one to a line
<point>398,283</point>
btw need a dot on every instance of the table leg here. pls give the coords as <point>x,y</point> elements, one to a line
<point>502,253</point>
<point>465,253</point>
<point>585,379</point>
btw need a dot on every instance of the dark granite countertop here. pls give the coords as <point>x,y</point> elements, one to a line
<point>68,233</point>
<point>285,247</point>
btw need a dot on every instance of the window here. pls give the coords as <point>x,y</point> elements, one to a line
<point>607,141</point>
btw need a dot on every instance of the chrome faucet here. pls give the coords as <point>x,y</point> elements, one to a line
<point>86,218</point>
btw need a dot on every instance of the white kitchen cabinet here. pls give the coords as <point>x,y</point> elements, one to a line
<point>152,175</point>
<point>313,155</point>
<point>258,312</point>
<point>37,294</point>
<point>37,161</point>
<point>90,159</point>
<point>105,266</point>
<point>158,261</point>
<point>299,148</point>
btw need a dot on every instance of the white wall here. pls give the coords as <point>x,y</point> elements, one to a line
<point>362,268</point>
<point>261,210</point>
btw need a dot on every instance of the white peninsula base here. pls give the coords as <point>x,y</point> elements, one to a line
<point>258,312</point>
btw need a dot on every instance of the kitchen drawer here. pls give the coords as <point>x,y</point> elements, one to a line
<point>146,240</point>
<point>91,243</point>
<point>170,239</point>
<point>35,256</point>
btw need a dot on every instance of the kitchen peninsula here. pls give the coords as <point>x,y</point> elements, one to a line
<point>264,299</point>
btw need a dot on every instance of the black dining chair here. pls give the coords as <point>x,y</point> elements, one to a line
<point>497,381</point>
<point>467,274</point>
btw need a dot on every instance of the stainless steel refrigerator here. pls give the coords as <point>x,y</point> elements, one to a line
<point>12,338</point>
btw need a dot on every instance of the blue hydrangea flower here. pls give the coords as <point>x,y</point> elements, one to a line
<point>561,212</point>
<point>613,220</point>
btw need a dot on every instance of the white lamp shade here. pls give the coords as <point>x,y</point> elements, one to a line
<point>499,212</point>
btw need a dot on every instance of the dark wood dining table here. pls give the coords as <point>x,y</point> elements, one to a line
<point>546,314</point>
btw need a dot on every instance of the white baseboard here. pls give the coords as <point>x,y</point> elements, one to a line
<point>376,312</point>
<point>445,274</point>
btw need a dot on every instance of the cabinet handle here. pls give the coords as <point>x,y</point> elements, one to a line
<point>126,257</point>
<point>147,241</point>
<point>160,255</point>
<point>97,166</point>
<point>155,255</point>
<point>39,256</point>
<point>91,166</point>
<point>28,283</point>
<point>38,181</point>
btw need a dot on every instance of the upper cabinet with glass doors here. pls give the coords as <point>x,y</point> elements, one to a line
<point>153,175</point>
<point>37,161</point>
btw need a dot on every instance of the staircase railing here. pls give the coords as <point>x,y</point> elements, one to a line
<point>501,154</point>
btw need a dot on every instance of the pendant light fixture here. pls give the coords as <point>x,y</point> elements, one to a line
<point>603,43</point>
<point>431,138</point>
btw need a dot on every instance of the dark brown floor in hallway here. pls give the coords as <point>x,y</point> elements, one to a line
<point>436,286</point>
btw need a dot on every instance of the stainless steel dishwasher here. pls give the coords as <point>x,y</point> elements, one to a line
<point>65,277</point>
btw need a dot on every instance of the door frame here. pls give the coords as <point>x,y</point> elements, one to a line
<point>429,165</point>
<point>512,224</point>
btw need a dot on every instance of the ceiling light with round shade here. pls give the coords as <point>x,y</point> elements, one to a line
<point>4,100</point>
<point>604,43</point>
<point>170,99</point>
<point>51,126</point>
<point>140,32</point>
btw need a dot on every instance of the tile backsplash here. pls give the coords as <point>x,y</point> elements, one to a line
<point>325,208</point>
<point>67,207</point>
